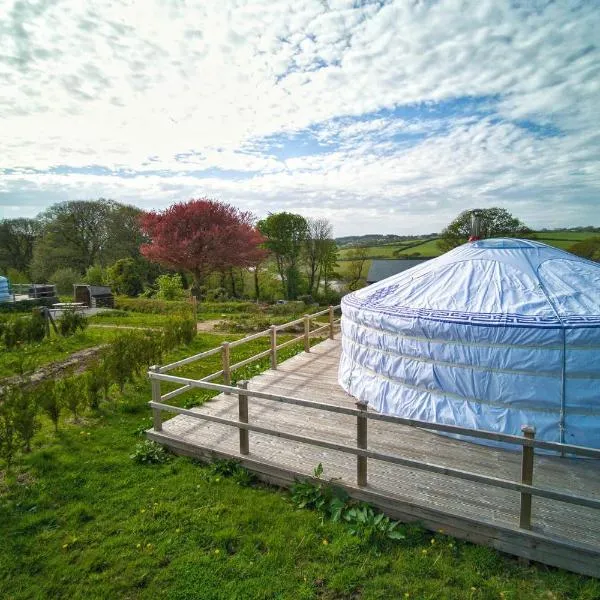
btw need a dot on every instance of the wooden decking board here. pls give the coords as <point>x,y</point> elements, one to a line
<point>436,499</point>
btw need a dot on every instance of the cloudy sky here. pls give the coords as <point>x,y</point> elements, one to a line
<point>382,116</point>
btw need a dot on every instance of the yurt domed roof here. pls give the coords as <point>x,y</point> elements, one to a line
<point>492,335</point>
<point>510,281</point>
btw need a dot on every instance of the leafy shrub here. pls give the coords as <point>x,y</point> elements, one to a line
<point>334,504</point>
<point>49,401</point>
<point>216,294</point>
<point>229,307</point>
<point>70,322</point>
<point>95,275</point>
<point>149,452</point>
<point>8,431</point>
<point>64,280</point>
<point>25,417</point>
<point>170,287</point>
<point>289,308</point>
<point>231,469</point>
<point>148,306</point>
<point>70,392</point>
<point>21,329</point>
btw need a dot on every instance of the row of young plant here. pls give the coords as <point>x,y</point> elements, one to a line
<point>127,357</point>
<point>16,329</point>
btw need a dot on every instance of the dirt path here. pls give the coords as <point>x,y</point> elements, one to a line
<point>75,363</point>
<point>207,326</point>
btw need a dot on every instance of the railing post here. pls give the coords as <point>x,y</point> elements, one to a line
<point>226,363</point>
<point>156,413</point>
<point>331,309</point>
<point>273,336</point>
<point>243,417</point>
<point>306,333</point>
<point>361,442</point>
<point>526,478</point>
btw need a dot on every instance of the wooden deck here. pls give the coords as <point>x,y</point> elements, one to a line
<point>563,535</point>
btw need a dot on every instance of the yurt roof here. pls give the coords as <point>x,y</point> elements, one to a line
<point>509,281</point>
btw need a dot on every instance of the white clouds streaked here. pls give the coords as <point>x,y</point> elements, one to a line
<point>384,117</point>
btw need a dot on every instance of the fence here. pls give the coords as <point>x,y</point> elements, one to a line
<point>527,441</point>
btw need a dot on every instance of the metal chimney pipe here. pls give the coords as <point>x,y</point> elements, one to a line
<point>475,225</point>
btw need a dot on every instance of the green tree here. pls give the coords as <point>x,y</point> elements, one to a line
<point>64,279</point>
<point>17,238</point>
<point>494,222</point>
<point>127,276</point>
<point>95,275</point>
<point>285,236</point>
<point>358,258</point>
<point>170,287</point>
<point>80,233</point>
<point>317,245</point>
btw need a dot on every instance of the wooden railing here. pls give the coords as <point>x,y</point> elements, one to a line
<point>362,452</point>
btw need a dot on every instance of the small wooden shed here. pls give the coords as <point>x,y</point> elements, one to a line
<point>94,296</point>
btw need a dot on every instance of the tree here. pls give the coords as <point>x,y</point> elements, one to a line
<point>126,276</point>
<point>589,248</point>
<point>80,233</point>
<point>495,222</point>
<point>327,264</point>
<point>201,236</point>
<point>170,287</point>
<point>285,234</point>
<point>64,280</point>
<point>358,257</point>
<point>17,237</point>
<point>319,236</point>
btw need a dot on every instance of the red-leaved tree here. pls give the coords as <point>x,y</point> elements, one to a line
<point>202,236</point>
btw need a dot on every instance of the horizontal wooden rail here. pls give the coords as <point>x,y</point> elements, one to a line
<point>247,361</point>
<point>291,342</point>
<point>454,429</point>
<point>249,338</point>
<point>189,359</point>
<point>390,458</point>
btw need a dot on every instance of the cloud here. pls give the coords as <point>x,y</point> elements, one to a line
<point>388,115</point>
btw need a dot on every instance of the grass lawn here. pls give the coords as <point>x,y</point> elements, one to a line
<point>84,521</point>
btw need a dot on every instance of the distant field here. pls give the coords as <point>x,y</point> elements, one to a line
<point>429,248</point>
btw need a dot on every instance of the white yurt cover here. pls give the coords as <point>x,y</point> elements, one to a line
<point>492,335</point>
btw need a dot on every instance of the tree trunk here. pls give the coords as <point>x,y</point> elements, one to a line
<point>232,278</point>
<point>256,284</point>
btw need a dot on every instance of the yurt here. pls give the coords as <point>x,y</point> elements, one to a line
<point>493,335</point>
<point>4,290</point>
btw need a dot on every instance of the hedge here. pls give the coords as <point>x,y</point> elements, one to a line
<point>24,306</point>
<point>145,305</point>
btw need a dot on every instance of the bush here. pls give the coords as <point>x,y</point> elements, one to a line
<point>20,330</point>
<point>216,295</point>
<point>150,453</point>
<point>229,307</point>
<point>289,308</point>
<point>148,306</point>
<point>70,322</point>
<point>126,277</point>
<point>170,287</point>
<point>49,401</point>
<point>8,432</point>
<point>95,275</point>
<point>25,417</point>
<point>64,280</point>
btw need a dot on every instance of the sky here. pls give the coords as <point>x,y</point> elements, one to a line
<point>382,116</point>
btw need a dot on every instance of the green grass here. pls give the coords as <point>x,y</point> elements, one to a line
<point>84,521</point>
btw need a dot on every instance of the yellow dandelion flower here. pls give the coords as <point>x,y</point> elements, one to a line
<point>217,551</point>
<point>148,545</point>
<point>143,510</point>
<point>177,530</point>
<point>424,551</point>
<point>65,545</point>
<point>325,542</point>
<point>138,546</point>
<point>432,541</point>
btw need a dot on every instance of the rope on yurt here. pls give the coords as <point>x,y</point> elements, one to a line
<point>563,409</point>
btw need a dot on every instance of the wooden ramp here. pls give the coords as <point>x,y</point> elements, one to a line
<point>563,535</point>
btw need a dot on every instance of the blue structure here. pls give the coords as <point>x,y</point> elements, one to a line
<point>492,335</point>
<point>5,295</point>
